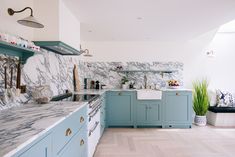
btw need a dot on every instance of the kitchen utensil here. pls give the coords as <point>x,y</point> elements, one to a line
<point>5,76</point>
<point>18,77</point>
<point>11,81</point>
<point>76,79</point>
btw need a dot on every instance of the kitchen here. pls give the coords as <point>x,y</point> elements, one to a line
<point>90,85</point>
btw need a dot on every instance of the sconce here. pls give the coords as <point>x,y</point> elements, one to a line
<point>29,21</point>
<point>85,52</point>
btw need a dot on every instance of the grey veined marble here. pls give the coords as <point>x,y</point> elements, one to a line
<point>56,71</point>
<point>106,74</point>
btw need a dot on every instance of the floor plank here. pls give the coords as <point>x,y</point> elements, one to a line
<point>196,142</point>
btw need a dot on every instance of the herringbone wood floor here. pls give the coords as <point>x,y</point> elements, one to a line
<point>196,142</point>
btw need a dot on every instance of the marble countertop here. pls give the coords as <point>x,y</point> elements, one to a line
<point>21,125</point>
<point>100,92</point>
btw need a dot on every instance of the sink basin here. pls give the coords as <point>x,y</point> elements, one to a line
<point>148,94</point>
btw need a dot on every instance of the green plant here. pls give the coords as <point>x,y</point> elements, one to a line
<point>124,79</point>
<point>200,97</point>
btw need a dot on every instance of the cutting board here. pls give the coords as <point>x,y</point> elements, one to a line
<point>76,79</point>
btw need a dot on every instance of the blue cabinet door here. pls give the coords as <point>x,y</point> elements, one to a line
<point>77,147</point>
<point>177,109</point>
<point>154,113</point>
<point>141,113</point>
<point>148,113</point>
<point>120,108</point>
<point>40,149</point>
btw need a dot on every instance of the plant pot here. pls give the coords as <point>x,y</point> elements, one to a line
<point>200,120</point>
<point>125,86</point>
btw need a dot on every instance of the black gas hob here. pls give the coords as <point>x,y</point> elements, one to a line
<point>75,97</point>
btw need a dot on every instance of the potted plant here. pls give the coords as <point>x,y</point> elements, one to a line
<point>200,101</point>
<point>124,82</point>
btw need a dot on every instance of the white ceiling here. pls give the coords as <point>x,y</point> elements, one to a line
<point>161,20</point>
<point>228,27</point>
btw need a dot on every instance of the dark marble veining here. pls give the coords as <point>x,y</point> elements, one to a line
<point>56,71</point>
<point>20,124</point>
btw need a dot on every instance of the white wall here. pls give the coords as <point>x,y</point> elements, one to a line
<point>60,23</point>
<point>69,27</point>
<point>192,53</point>
<point>9,23</point>
<point>48,15</point>
<point>220,69</point>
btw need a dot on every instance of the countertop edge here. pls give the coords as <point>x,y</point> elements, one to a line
<point>42,133</point>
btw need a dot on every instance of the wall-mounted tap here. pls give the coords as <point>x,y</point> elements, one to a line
<point>145,81</point>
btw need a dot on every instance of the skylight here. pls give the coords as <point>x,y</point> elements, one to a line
<point>228,27</point>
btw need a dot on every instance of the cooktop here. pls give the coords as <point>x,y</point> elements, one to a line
<point>75,97</point>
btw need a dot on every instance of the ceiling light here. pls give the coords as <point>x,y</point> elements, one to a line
<point>90,31</point>
<point>29,21</point>
<point>139,18</point>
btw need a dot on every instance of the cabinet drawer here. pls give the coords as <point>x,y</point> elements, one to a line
<point>77,146</point>
<point>68,128</point>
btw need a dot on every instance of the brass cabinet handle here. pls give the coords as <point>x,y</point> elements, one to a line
<point>82,142</point>
<point>177,94</point>
<point>68,132</point>
<point>81,119</point>
<point>119,93</point>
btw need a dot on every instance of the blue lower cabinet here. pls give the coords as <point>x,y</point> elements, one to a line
<point>77,146</point>
<point>148,113</point>
<point>41,149</point>
<point>120,108</point>
<point>177,109</point>
<point>65,130</point>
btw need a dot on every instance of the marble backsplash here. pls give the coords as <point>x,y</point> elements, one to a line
<point>57,71</point>
<point>106,73</point>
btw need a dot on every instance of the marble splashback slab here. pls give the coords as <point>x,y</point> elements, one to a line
<point>56,71</point>
<point>106,74</point>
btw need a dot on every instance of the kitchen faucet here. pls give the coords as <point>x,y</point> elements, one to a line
<point>145,81</point>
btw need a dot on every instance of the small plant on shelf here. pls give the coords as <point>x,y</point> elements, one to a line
<point>124,82</point>
<point>200,101</point>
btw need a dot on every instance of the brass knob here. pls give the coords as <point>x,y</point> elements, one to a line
<point>177,94</point>
<point>82,142</point>
<point>68,132</point>
<point>81,119</point>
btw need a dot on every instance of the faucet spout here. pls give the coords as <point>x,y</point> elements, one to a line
<point>145,81</point>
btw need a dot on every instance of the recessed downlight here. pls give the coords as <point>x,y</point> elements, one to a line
<point>139,18</point>
<point>90,31</point>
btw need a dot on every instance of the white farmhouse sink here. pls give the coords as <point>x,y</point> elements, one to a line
<point>149,94</point>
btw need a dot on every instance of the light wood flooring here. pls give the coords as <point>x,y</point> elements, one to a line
<point>196,142</point>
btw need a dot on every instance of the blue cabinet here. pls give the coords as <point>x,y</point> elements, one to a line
<point>177,109</point>
<point>148,113</point>
<point>67,139</point>
<point>42,148</point>
<point>77,146</point>
<point>65,131</point>
<point>120,108</point>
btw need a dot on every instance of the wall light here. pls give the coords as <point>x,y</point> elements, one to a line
<point>29,21</point>
<point>85,52</point>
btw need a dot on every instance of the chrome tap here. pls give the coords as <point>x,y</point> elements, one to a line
<point>145,81</point>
